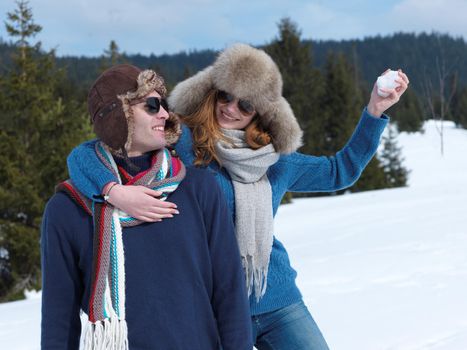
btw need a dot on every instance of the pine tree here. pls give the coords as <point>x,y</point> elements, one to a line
<point>407,113</point>
<point>38,129</point>
<point>391,160</point>
<point>459,110</point>
<point>187,72</point>
<point>303,84</point>
<point>20,24</point>
<point>341,104</point>
<point>111,56</point>
<point>328,107</point>
<point>372,178</point>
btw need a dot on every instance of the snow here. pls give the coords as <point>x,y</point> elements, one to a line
<point>20,323</point>
<point>379,270</point>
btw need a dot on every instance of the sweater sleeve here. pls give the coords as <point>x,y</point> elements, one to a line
<point>87,172</point>
<point>308,173</point>
<point>184,146</point>
<point>229,301</point>
<point>62,288</point>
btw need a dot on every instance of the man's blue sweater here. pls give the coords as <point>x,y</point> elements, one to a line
<point>185,285</point>
<point>295,172</point>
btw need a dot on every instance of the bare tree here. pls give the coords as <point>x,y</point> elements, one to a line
<point>439,98</point>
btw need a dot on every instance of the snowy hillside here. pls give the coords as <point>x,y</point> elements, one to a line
<point>380,270</point>
<point>388,269</point>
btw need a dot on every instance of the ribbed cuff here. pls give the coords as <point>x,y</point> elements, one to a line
<point>275,299</point>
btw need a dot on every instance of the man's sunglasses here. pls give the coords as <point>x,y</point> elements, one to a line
<point>152,104</point>
<point>243,105</point>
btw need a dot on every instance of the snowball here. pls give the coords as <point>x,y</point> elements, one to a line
<point>387,81</point>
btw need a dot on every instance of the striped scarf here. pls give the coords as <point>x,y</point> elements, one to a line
<point>107,328</point>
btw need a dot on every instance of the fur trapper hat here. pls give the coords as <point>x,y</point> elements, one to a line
<point>247,73</point>
<point>109,104</point>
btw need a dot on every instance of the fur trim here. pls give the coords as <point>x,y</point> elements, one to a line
<point>128,111</point>
<point>109,103</point>
<point>187,95</point>
<point>249,74</point>
<point>283,127</point>
<point>148,81</point>
<point>173,129</point>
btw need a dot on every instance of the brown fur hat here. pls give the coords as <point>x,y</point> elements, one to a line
<point>109,104</point>
<point>247,73</point>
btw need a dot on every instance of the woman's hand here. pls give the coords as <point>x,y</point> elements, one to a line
<point>378,104</point>
<point>140,202</point>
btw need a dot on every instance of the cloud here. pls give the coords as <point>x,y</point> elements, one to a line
<point>319,21</point>
<point>427,15</point>
<point>146,26</point>
<point>357,19</point>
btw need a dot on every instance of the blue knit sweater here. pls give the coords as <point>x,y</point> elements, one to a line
<point>294,172</point>
<point>185,285</point>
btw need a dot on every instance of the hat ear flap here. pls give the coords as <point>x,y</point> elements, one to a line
<point>112,128</point>
<point>187,96</point>
<point>283,127</point>
<point>173,129</point>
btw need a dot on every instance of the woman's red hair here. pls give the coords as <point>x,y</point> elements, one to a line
<point>206,131</point>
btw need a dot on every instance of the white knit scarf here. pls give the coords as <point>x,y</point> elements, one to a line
<point>253,204</point>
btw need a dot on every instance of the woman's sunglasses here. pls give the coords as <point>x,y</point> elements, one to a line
<point>153,104</point>
<point>243,105</point>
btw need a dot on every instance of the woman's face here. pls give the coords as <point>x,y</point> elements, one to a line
<point>232,113</point>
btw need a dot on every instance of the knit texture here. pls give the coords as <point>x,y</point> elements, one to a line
<point>254,221</point>
<point>295,172</point>
<point>107,303</point>
<point>185,287</point>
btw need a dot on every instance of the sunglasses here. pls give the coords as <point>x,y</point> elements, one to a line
<point>243,105</point>
<point>153,104</point>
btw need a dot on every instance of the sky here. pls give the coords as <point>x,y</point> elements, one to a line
<point>379,270</point>
<point>86,27</point>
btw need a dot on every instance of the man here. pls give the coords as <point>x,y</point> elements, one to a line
<point>174,284</point>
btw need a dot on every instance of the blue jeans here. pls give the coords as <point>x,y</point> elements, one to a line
<point>289,328</point>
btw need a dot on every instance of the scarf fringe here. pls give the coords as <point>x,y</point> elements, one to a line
<point>254,219</point>
<point>110,334</point>
<point>256,277</point>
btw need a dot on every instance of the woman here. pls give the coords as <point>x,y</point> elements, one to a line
<point>238,126</point>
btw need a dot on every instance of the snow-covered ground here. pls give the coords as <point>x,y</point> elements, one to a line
<point>379,270</point>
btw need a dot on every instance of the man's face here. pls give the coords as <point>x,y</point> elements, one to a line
<point>149,127</point>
